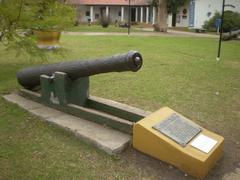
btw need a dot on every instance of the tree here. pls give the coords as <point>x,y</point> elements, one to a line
<point>162,16</point>
<point>165,7</point>
<point>19,17</point>
<point>231,21</point>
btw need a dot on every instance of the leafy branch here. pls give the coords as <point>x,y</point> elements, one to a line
<point>18,19</point>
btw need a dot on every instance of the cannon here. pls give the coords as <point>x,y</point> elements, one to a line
<point>164,134</point>
<point>65,86</point>
<point>132,61</point>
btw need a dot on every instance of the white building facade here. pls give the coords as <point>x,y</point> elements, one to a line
<point>116,10</point>
<point>202,10</point>
<point>193,14</point>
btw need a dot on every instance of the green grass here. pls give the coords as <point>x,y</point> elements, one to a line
<point>181,73</point>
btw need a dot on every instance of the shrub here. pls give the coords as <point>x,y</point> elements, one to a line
<point>231,21</point>
<point>104,21</point>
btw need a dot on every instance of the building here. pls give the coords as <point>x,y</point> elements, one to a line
<point>117,10</point>
<point>193,14</point>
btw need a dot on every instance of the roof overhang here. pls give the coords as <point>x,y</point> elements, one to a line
<point>110,2</point>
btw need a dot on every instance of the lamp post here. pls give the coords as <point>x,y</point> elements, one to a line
<point>221,28</point>
<point>129,16</point>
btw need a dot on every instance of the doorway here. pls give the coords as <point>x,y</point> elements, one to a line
<point>174,16</point>
<point>133,14</point>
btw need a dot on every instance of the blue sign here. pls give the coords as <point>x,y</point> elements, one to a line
<point>218,23</point>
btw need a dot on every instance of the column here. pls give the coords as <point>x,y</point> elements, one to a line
<point>122,13</point>
<point>154,15</point>
<point>147,15</point>
<point>136,15</point>
<point>91,13</point>
<point>170,20</point>
<point>107,11</point>
<point>141,15</point>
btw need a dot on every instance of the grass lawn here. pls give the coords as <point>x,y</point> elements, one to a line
<point>178,72</point>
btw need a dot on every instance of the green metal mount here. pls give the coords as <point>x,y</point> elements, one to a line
<point>60,89</point>
<point>72,96</point>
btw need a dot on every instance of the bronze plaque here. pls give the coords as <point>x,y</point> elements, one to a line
<point>178,129</point>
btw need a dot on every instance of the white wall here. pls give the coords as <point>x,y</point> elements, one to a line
<point>114,13</point>
<point>236,3</point>
<point>181,18</point>
<point>81,13</point>
<point>204,8</point>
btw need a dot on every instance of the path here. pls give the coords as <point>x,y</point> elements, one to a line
<point>170,33</point>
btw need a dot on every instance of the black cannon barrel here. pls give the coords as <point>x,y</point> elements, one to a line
<point>131,61</point>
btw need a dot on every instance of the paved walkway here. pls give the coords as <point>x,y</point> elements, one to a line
<point>235,175</point>
<point>170,33</point>
<point>104,138</point>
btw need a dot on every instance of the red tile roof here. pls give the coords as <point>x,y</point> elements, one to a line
<point>108,2</point>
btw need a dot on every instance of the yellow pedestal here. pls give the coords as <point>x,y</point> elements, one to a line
<point>189,159</point>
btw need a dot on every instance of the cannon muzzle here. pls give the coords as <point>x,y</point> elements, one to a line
<point>131,61</point>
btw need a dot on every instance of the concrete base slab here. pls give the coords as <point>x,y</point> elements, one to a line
<point>104,138</point>
<point>235,175</point>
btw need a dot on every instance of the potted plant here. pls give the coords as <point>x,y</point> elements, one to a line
<point>50,19</point>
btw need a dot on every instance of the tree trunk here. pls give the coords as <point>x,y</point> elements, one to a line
<point>162,17</point>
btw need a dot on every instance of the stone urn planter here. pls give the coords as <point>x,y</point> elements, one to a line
<point>47,39</point>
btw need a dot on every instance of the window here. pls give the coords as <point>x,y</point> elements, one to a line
<point>87,13</point>
<point>209,14</point>
<point>119,13</point>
